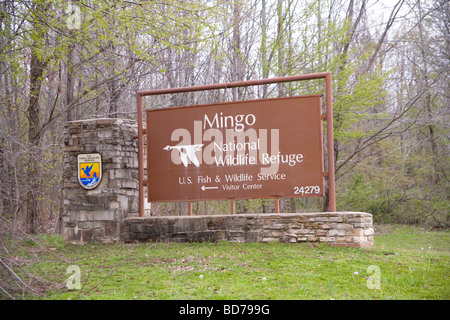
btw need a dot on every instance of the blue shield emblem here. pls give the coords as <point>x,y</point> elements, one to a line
<point>89,170</point>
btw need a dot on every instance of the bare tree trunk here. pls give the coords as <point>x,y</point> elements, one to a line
<point>389,24</point>
<point>70,83</point>
<point>264,59</point>
<point>238,64</point>
<point>34,137</point>
<point>8,192</point>
<point>431,137</point>
<point>280,49</point>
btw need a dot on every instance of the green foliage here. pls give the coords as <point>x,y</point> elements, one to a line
<point>366,195</point>
<point>398,186</point>
<point>357,102</point>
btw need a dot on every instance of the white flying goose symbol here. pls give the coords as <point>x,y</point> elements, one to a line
<point>186,152</point>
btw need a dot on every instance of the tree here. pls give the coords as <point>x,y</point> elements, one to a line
<point>101,55</point>
<point>62,63</point>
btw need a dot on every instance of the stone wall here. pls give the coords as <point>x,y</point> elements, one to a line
<point>96,215</point>
<point>340,228</point>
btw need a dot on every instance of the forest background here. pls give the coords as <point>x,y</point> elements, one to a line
<point>70,60</point>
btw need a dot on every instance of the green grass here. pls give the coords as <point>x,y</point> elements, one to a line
<point>413,264</point>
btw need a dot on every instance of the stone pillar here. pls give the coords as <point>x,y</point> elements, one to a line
<point>96,215</point>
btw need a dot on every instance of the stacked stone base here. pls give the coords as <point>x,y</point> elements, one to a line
<point>354,229</point>
<point>96,215</point>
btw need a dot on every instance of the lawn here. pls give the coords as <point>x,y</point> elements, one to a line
<point>410,263</point>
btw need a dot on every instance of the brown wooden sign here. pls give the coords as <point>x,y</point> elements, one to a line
<point>269,148</point>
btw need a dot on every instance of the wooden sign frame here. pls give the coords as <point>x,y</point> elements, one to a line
<point>328,117</point>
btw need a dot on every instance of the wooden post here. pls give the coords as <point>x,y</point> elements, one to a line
<point>189,208</point>
<point>140,118</point>
<point>277,205</point>
<point>330,145</point>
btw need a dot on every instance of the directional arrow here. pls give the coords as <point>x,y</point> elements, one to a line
<point>205,188</point>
